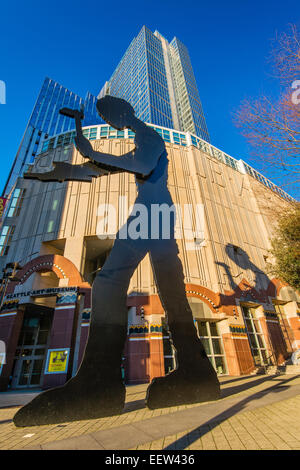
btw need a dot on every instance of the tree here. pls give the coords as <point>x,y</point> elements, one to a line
<point>272,127</point>
<point>286,248</point>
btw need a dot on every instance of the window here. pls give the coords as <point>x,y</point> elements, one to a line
<point>131,134</point>
<point>256,337</point>
<point>16,202</point>
<point>213,345</point>
<point>45,146</point>
<point>5,239</point>
<point>103,132</point>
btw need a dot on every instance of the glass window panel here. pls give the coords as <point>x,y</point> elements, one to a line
<point>253,342</point>
<point>256,356</point>
<point>249,325</point>
<point>213,329</point>
<point>45,322</point>
<point>26,365</point>
<point>256,325</point>
<point>264,356</point>
<point>202,328</point>
<point>260,341</point>
<point>205,342</point>
<point>220,366</point>
<point>26,352</point>
<point>29,337</point>
<point>37,366</point>
<point>32,322</point>
<point>246,312</point>
<point>35,379</point>
<point>42,338</point>
<point>216,346</point>
<point>39,352</point>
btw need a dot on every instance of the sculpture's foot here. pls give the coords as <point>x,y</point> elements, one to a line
<point>180,388</point>
<point>73,402</point>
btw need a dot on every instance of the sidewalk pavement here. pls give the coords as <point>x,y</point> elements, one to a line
<point>255,412</point>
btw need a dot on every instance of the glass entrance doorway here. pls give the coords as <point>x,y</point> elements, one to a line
<point>256,338</point>
<point>211,339</point>
<point>32,347</point>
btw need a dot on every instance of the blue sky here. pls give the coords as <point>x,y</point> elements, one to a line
<point>80,43</point>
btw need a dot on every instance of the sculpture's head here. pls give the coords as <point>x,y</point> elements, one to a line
<point>116,112</point>
<point>238,255</point>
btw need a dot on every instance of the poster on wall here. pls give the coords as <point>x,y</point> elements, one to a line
<point>3,201</point>
<point>57,361</point>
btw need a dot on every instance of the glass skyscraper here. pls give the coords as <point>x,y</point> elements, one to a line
<point>45,121</point>
<point>157,78</point>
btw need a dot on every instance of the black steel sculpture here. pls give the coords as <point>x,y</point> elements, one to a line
<point>97,390</point>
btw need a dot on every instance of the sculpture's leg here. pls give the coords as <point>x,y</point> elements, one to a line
<point>194,379</point>
<point>97,390</point>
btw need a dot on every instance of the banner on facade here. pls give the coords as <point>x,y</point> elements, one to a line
<point>42,292</point>
<point>3,201</point>
<point>57,361</point>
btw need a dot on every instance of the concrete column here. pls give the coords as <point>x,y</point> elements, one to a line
<point>74,251</point>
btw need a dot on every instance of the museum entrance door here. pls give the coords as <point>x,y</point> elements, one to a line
<point>31,351</point>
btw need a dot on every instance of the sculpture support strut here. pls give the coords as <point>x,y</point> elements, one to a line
<point>97,389</point>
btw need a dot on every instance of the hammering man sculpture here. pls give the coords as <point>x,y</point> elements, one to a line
<point>97,390</point>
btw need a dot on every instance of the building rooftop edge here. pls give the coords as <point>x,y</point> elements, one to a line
<point>188,140</point>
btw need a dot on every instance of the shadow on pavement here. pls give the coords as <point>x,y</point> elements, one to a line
<point>225,392</point>
<point>213,422</point>
<point>235,379</point>
<point>134,405</point>
<point>4,421</point>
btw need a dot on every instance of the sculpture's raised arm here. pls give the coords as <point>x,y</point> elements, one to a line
<point>66,172</point>
<point>140,161</point>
